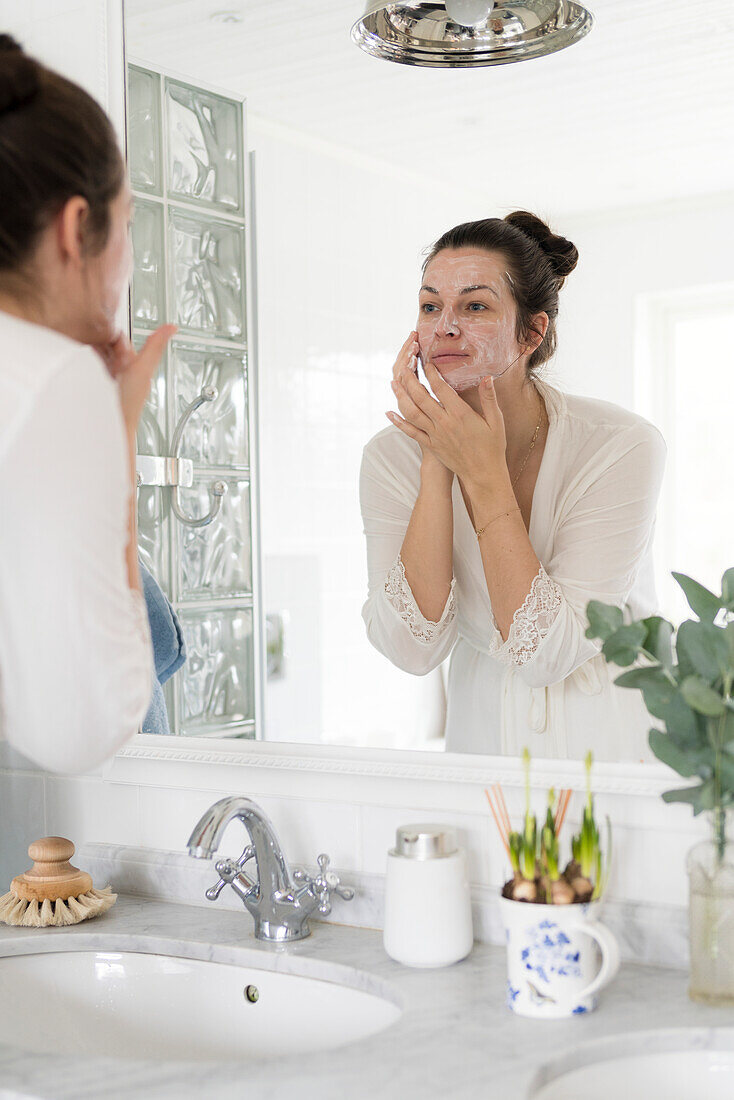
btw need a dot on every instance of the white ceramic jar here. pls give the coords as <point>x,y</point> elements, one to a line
<point>428,919</point>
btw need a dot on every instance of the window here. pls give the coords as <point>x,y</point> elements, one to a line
<point>685,385</point>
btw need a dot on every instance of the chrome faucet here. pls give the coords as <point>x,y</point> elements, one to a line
<point>280,900</point>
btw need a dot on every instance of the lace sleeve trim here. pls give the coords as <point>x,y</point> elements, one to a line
<point>530,623</point>
<point>401,599</point>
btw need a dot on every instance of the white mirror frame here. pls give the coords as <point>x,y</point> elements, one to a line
<point>195,762</point>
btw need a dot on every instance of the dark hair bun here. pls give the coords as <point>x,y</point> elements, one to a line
<point>19,75</point>
<point>563,255</point>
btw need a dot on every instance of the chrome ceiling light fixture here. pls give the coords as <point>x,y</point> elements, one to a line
<point>467,33</point>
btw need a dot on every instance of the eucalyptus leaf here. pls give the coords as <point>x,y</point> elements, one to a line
<point>699,748</point>
<point>727,589</point>
<point>705,648</point>
<point>728,728</point>
<point>700,797</point>
<point>603,618</point>
<point>683,761</point>
<point>658,639</point>
<point>702,698</point>
<point>623,646</point>
<point>685,666</point>
<point>664,700</point>
<point>729,635</point>
<point>701,601</point>
<point>653,677</point>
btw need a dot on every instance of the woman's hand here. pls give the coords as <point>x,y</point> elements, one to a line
<point>133,371</point>
<point>407,359</point>
<point>406,367</point>
<point>470,445</point>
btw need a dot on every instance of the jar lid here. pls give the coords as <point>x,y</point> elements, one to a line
<point>424,841</point>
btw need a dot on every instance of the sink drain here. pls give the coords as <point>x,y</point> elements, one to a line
<point>252,994</point>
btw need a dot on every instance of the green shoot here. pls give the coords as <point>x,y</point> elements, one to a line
<point>550,817</point>
<point>585,846</point>
<point>514,841</point>
<point>549,840</point>
<point>550,853</point>
<point>526,766</point>
<point>588,845</point>
<point>529,847</point>
<point>605,863</point>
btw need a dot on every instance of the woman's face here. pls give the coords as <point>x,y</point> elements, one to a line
<point>466,317</point>
<point>108,272</point>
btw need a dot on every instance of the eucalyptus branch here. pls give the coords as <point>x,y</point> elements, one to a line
<point>686,685</point>
<point>656,664</point>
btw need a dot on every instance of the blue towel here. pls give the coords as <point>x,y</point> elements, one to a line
<point>169,650</point>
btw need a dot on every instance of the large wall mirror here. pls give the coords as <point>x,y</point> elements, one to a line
<point>287,187</point>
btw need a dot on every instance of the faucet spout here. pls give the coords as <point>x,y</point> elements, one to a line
<point>273,871</point>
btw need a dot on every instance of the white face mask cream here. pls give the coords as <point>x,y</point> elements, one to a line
<point>466,317</point>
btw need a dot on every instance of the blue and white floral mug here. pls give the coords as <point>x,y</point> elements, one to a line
<point>553,966</point>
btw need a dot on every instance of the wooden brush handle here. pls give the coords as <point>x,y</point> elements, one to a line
<point>52,876</point>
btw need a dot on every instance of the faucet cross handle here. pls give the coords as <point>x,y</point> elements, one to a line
<point>327,883</point>
<point>229,869</point>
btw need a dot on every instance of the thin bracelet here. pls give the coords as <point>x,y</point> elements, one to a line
<point>481,530</point>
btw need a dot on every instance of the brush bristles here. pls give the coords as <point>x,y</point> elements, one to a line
<point>47,914</point>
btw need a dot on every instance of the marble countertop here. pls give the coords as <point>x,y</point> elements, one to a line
<point>455,1037</point>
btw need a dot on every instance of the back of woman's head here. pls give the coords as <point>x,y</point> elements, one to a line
<point>537,260</point>
<point>55,143</point>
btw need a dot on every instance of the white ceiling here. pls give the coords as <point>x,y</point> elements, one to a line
<point>640,111</point>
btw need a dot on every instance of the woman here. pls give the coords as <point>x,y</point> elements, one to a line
<point>496,507</point>
<point>75,657</point>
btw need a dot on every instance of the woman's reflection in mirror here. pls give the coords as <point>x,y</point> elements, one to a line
<point>496,506</point>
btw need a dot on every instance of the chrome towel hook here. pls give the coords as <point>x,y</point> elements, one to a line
<point>217,489</point>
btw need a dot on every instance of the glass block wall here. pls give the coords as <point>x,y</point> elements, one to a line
<point>187,171</point>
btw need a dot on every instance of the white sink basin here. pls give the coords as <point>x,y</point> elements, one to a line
<point>678,1064</point>
<point>125,1004</point>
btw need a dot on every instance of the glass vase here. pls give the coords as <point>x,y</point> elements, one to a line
<point>710,866</point>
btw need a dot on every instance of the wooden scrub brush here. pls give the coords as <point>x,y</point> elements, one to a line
<point>53,892</point>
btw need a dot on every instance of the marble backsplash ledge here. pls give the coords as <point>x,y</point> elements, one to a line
<point>648,933</point>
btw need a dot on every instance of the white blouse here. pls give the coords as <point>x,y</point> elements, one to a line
<point>75,655</point>
<point>547,686</point>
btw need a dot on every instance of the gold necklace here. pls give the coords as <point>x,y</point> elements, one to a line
<point>532,445</point>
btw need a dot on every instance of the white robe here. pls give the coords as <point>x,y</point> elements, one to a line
<point>591,526</point>
<point>75,653</point>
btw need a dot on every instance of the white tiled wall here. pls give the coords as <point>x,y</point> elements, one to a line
<point>354,820</point>
<point>22,820</point>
